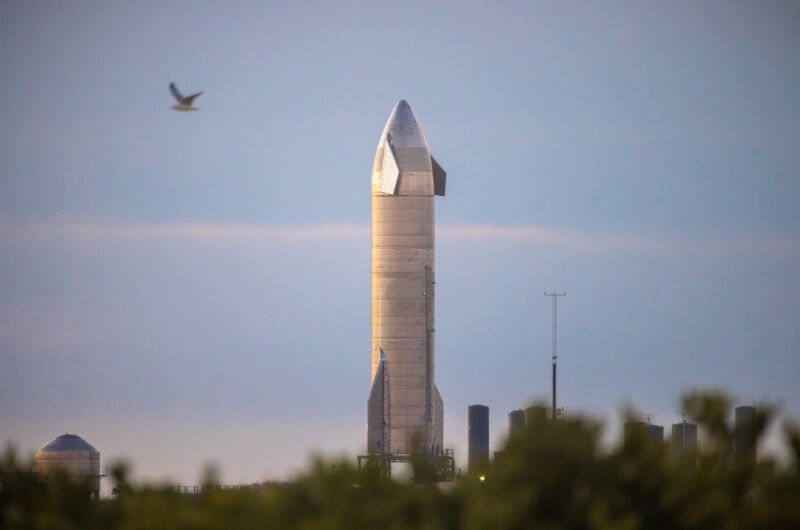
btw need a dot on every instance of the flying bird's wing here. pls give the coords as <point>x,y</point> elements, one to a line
<point>175,93</point>
<point>188,99</point>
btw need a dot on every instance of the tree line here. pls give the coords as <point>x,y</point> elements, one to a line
<point>552,475</point>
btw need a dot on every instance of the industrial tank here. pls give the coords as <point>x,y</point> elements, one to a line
<point>684,437</point>
<point>478,439</point>
<point>655,432</point>
<point>633,429</point>
<point>516,421</point>
<point>744,437</point>
<point>73,454</point>
<point>536,416</point>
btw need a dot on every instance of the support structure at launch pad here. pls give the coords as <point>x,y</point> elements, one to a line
<point>438,468</point>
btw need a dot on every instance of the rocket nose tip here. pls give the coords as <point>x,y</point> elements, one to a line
<point>403,105</point>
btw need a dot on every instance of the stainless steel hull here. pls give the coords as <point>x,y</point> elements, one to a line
<point>405,413</point>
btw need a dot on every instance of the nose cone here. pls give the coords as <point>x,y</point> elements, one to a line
<point>402,161</point>
<point>404,127</point>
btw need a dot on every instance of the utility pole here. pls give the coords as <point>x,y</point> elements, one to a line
<point>554,295</point>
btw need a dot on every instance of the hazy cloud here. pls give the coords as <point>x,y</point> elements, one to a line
<point>207,231</point>
<point>779,247</point>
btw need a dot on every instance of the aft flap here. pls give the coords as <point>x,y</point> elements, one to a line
<point>439,177</point>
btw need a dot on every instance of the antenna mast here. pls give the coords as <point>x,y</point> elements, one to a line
<point>554,295</point>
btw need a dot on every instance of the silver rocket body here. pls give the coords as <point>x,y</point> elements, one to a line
<point>404,410</point>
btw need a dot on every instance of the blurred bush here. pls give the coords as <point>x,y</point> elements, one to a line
<point>551,475</point>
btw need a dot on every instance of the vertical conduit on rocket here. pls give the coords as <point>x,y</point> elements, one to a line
<point>404,407</point>
<point>428,359</point>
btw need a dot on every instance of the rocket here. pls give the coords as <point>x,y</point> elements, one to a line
<point>404,409</point>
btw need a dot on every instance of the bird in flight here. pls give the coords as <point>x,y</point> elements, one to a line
<point>184,102</point>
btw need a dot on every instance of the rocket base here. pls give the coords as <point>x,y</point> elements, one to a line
<point>425,468</point>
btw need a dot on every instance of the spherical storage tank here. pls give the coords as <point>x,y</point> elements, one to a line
<point>73,454</point>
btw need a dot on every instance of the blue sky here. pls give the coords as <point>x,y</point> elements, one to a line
<point>180,288</point>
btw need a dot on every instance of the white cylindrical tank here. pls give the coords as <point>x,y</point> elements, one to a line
<point>73,454</point>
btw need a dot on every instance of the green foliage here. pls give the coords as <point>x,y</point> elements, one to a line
<point>552,475</point>
<point>30,500</point>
